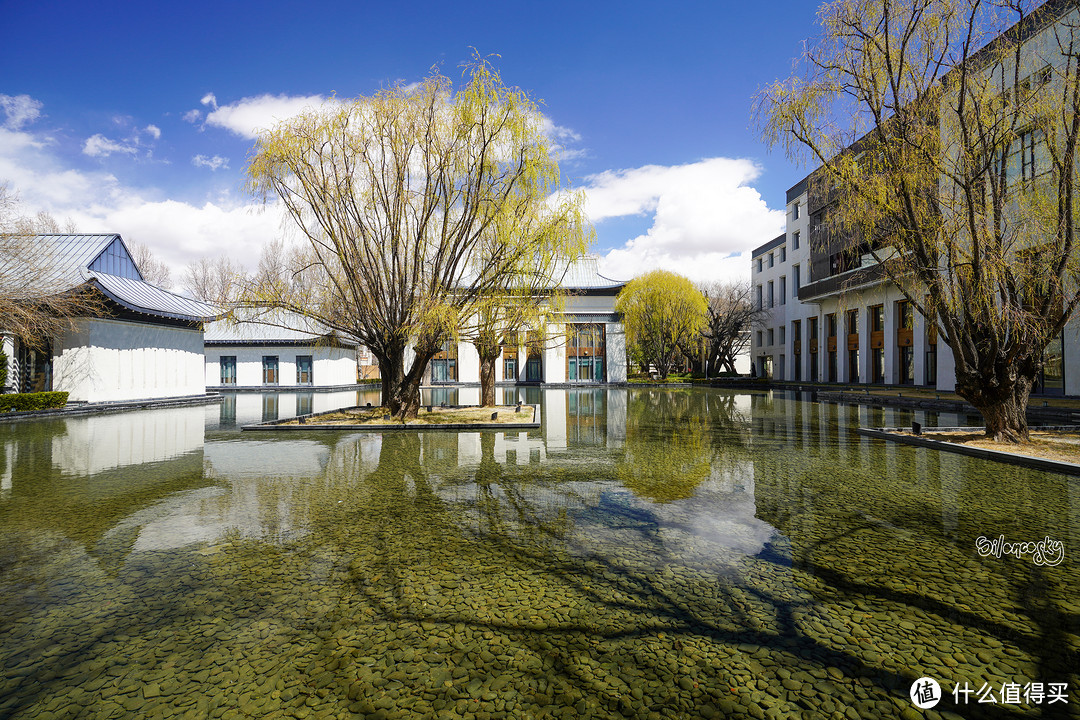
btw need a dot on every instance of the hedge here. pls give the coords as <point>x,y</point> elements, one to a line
<point>32,401</point>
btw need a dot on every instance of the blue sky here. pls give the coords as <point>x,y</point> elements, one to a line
<point>137,117</point>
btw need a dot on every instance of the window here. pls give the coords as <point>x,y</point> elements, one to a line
<point>783,289</point>
<point>795,210</point>
<point>585,353</point>
<point>770,259</point>
<point>759,298</point>
<point>795,240</point>
<point>759,338</point>
<point>772,339</point>
<point>228,369</point>
<point>303,370</point>
<point>783,334</point>
<point>783,254</point>
<point>444,364</point>
<point>1028,142</point>
<point>795,281</point>
<point>770,293</point>
<point>877,318</point>
<point>270,372</point>
<point>759,262</point>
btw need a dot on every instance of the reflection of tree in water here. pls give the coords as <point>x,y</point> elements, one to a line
<point>677,440</point>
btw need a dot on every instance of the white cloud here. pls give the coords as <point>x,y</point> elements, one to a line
<point>20,110</point>
<point>210,100</point>
<point>192,116</point>
<point>246,117</point>
<point>100,146</point>
<point>96,201</point>
<point>153,130</point>
<point>705,217</point>
<point>214,163</point>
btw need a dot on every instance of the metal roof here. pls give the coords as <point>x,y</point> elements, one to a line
<point>267,327</point>
<point>151,300</point>
<point>66,261</point>
<point>584,274</point>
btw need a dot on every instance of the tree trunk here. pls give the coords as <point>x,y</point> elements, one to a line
<point>1003,403</point>
<point>487,380</point>
<point>405,400</point>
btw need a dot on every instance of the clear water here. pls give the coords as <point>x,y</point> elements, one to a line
<point>646,554</point>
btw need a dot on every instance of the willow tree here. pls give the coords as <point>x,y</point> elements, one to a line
<point>663,314</point>
<point>399,197</point>
<point>529,300</point>
<point>947,132</point>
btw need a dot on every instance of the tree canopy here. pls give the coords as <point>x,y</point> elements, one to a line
<point>947,133</point>
<point>731,316</point>
<point>413,204</point>
<point>663,314</point>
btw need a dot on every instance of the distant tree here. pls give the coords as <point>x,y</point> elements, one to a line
<point>947,133</point>
<point>215,280</point>
<point>153,269</point>
<point>663,314</point>
<point>401,198</point>
<point>35,302</point>
<point>732,314</point>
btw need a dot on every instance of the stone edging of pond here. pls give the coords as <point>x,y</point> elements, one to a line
<point>279,425</point>
<point>106,408</point>
<point>1028,461</point>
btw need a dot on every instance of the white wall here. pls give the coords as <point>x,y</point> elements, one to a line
<point>331,366</point>
<point>103,360</point>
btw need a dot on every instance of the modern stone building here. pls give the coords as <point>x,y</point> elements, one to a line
<point>145,343</point>
<point>834,315</point>
<point>276,350</point>
<point>585,345</point>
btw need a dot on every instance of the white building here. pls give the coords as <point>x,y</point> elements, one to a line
<point>280,351</point>
<point>146,342</point>
<point>586,345</point>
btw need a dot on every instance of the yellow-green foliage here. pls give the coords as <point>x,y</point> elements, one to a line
<point>423,207</point>
<point>663,314</point>
<point>947,144</point>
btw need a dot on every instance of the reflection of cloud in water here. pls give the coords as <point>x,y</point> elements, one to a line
<point>259,458</point>
<point>208,515</point>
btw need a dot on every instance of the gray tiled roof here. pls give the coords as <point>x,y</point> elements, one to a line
<point>267,328</point>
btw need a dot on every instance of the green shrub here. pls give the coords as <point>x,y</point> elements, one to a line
<point>32,401</point>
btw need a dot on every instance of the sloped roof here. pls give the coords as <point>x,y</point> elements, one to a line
<point>269,327</point>
<point>151,300</point>
<point>584,274</point>
<point>73,260</point>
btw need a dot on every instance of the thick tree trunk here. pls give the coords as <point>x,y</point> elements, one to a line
<point>1002,401</point>
<point>487,379</point>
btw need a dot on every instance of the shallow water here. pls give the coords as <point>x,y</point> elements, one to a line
<point>646,553</point>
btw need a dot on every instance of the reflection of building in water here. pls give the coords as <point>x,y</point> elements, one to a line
<point>584,416</point>
<point>247,408</point>
<point>89,445</point>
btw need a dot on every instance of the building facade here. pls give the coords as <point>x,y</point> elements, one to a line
<point>586,344</point>
<point>279,351</point>
<point>836,318</point>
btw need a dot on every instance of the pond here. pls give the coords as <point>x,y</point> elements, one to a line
<point>647,553</point>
